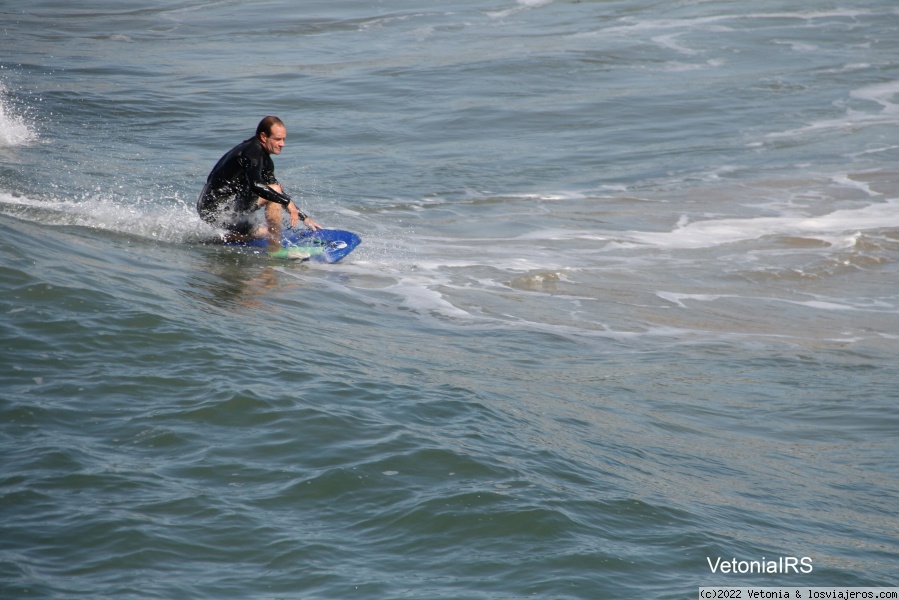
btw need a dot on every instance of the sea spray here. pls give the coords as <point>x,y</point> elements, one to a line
<point>14,127</point>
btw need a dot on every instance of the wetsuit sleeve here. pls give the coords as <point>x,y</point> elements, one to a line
<point>264,191</point>
<point>253,167</point>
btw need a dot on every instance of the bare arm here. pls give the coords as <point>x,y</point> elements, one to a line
<point>295,215</point>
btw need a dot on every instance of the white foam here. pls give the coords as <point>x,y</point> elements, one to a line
<point>629,25</point>
<point>418,297</point>
<point>522,6</point>
<point>716,232</point>
<point>828,305</point>
<point>882,94</point>
<point>171,221</point>
<point>677,298</point>
<point>868,151</point>
<point>670,41</point>
<point>799,46</point>
<point>847,181</point>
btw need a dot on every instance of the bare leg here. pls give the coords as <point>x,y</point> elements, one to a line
<point>273,218</point>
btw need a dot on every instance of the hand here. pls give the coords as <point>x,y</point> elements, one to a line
<point>312,224</point>
<point>294,214</point>
<point>295,218</point>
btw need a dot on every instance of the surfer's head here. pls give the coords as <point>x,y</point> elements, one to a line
<point>272,133</point>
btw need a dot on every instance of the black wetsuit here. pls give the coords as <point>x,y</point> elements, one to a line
<point>229,197</point>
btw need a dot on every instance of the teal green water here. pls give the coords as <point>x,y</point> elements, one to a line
<point>625,301</point>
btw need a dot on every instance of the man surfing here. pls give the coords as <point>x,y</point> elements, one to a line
<point>243,181</point>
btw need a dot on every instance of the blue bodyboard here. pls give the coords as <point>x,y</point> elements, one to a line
<point>325,245</point>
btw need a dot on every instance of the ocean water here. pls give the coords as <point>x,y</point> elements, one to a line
<point>626,302</point>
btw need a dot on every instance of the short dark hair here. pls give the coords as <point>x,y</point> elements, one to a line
<point>265,125</point>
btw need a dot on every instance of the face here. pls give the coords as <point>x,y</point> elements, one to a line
<point>274,142</point>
